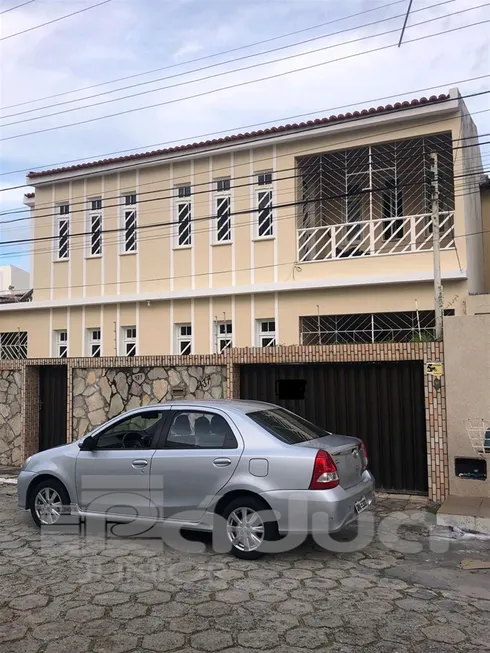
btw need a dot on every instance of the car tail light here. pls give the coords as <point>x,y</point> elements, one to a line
<point>364,456</point>
<point>325,475</point>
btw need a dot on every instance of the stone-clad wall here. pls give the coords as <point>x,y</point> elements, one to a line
<point>10,418</point>
<point>100,394</point>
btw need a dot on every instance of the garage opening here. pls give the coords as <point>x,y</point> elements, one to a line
<point>382,403</point>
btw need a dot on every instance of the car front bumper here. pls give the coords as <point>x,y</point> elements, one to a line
<point>23,481</point>
<point>319,511</point>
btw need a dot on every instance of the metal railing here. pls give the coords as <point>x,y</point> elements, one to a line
<point>398,235</point>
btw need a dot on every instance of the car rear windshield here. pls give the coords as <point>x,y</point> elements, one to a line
<point>286,426</point>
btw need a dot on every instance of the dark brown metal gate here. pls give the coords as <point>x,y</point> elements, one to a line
<point>382,403</point>
<point>52,406</point>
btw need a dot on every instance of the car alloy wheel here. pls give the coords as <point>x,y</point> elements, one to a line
<point>245,529</point>
<point>48,506</point>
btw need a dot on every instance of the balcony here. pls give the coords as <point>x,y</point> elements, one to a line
<point>398,235</point>
<point>374,200</point>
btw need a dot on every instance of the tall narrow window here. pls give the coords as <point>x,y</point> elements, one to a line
<point>129,341</point>
<point>61,344</point>
<point>130,224</point>
<point>223,211</point>
<point>94,343</point>
<point>95,228</point>
<point>265,225</point>
<point>184,339</point>
<point>224,336</point>
<point>63,231</point>
<point>266,333</point>
<point>184,216</point>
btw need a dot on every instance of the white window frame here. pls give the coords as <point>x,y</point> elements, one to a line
<point>129,206</point>
<point>183,339</point>
<point>129,341</point>
<point>94,214</point>
<point>94,344</point>
<point>62,218</point>
<point>264,190</point>
<point>222,199</point>
<point>266,332</point>
<point>183,203</point>
<point>223,336</point>
<point>61,343</point>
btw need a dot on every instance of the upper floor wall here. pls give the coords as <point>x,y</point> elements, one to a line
<point>334,202</point>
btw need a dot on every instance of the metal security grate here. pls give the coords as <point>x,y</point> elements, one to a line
<point>13,345</point>
<point>407,326</point>
<point>374,200</point>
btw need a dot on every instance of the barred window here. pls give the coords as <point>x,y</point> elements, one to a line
<point>266,333</point>
<point>94,343</point>
<point>223,211</point>
<point>184,339</point>
<point>95,228</point>
<point>184,217</point>
<point>63,238</point>
<point>13,345</point>
<point>61,343</point>
<point>129,341</point>
<point>402,326</point>
<point>130,224</point>
<point>264,220</point>
<point>224,336</point>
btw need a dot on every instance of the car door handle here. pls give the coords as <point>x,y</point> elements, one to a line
<point>221,462</point>
<point>138,464</point>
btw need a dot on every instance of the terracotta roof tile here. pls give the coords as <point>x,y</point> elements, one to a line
<point>247,135</point>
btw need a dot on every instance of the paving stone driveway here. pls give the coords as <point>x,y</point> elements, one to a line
<point>68,595</point>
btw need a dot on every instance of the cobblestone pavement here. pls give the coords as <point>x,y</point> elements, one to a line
<point>64,594</point>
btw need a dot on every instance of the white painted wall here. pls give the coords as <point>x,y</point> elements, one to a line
<point>10,275</point>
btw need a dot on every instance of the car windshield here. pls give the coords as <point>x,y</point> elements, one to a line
<point>286,426</point>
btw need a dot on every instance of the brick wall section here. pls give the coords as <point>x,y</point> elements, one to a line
<point>30,413</point>
<point>435,399</point>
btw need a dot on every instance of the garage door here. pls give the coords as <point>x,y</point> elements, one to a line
<point>382,403</point>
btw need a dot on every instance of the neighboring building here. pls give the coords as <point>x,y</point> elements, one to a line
<point>13,279</point>
<point>313,233</point>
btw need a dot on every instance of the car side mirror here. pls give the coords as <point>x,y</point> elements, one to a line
<point>88,444</point>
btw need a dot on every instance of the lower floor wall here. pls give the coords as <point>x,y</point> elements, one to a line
<point>10,418</point>
<point>154,326</point>
<point>98,389</point>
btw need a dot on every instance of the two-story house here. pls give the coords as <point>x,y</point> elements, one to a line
<point>310,233</point>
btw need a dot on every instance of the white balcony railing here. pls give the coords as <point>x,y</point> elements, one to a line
<point>374,237</point>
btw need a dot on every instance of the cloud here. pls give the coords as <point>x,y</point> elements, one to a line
<point>125,38</point>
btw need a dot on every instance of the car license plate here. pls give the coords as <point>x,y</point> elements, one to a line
<point>361,505</point>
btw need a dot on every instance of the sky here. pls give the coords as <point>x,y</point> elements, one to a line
<point>122,38</point>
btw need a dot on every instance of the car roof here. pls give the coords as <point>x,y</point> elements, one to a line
<point>240,405</point>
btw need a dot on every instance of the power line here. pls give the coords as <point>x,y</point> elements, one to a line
<point>55,20</point>
<point>306,150</point>
<point>16,7</point>
<point>209,56</point>
<point>244,83</point>
<point>244,127</point>
<point>222,63</point>
<point>253,210</point>
<point>307,129</point>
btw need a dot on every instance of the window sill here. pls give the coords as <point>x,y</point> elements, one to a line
<point>61,260</point>
<point>89,257</point>
<point>128,253</point>
<point>260,239</point>
<point>222,243</point>
<point>178,248</point>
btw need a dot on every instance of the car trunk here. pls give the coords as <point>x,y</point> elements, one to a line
<point>347,454</point>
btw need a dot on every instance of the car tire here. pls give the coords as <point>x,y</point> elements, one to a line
<point>248,507</point>
<point>54,493</point>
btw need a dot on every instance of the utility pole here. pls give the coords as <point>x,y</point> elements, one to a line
<point>436,247</point>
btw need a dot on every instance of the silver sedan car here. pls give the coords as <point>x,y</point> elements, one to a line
<point>252,473</point>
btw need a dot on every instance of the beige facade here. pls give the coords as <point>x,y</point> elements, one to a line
<point>118,269</point>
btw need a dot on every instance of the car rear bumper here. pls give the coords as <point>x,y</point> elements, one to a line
<point>319,511</point>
